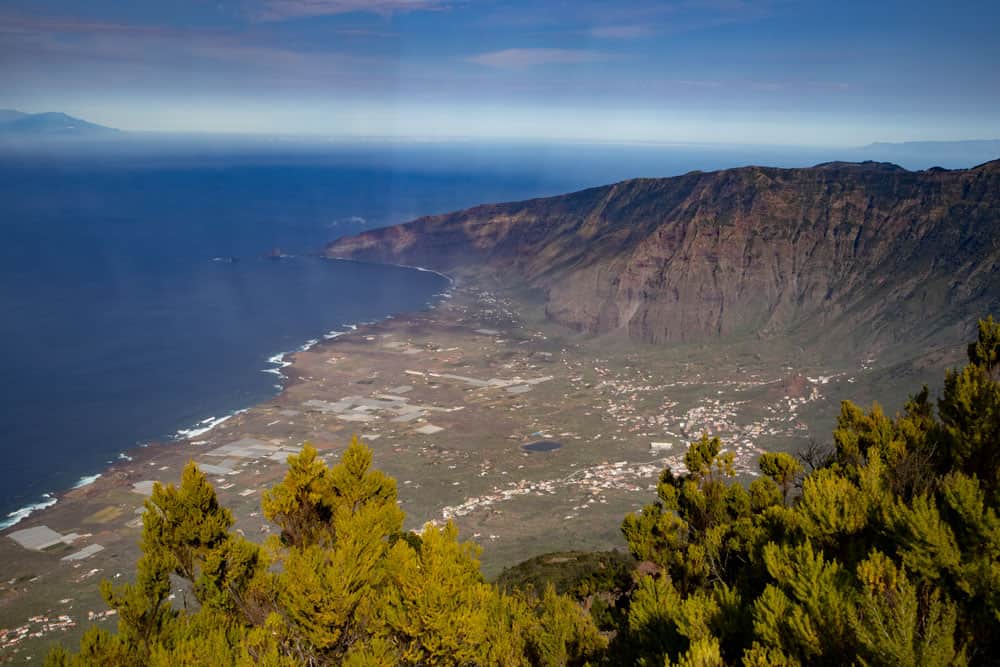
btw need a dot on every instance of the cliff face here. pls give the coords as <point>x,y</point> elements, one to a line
<point>863,251</point>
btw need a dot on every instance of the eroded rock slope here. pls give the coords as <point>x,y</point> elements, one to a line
<point>863,254</point>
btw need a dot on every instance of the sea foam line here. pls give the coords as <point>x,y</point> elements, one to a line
<point>48,500</point>
<point>205,425</point>
<point>86,481</point>
<point>451,281</point>
<point>19,515</point>
<point>280,360</point>
<point>209,423</point>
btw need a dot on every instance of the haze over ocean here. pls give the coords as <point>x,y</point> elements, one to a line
<point>124,319</point>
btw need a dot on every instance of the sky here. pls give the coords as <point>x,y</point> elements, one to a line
<point>777,72</point>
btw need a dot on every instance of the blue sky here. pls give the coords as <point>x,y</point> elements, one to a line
<point>729,71</point>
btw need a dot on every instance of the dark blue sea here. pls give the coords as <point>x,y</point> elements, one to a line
<point>136,301</point>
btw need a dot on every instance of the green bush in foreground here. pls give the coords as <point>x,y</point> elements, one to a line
<point>344,584</point>
<point>889,555</point>
<point>885,552</point>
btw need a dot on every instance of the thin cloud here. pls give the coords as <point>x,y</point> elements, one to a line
<point>283,10</point>
<point>620,32</point>
<point>28,24</point>
<point>121,51</point>
<point>762,86</point>
<point>636,18</point>
<point>522,58</point>
<point>699,83</point>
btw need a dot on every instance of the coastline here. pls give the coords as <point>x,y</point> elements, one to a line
<point>447,398</point>
<point>279,361</point>
<point>451,279</point>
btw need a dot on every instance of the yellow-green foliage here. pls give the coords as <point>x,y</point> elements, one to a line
<point>343,585</point>
<point>888,555</point>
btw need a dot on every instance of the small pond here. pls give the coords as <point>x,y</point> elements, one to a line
<point>542,446</point>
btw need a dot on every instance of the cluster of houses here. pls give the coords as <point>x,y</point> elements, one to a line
<point>37,627</point>
<point>594,481</point>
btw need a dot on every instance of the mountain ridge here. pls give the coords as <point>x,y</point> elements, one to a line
<point>48,123</point>
<point>866,255</point>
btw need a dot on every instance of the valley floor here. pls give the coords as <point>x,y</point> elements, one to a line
<point>447,399</point>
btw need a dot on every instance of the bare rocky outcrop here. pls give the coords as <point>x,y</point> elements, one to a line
<point>869,254</point>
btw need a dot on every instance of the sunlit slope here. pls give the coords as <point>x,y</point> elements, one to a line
<point>859,254</point>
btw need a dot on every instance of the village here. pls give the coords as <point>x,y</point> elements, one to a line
<point>530,439</point>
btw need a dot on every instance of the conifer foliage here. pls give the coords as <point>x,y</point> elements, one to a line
<point>886,551</point>
<point>889,555</point>
<point>344,584</point>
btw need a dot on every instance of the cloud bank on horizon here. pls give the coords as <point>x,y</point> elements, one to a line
<point>283,10</point>
<point>730,71</point>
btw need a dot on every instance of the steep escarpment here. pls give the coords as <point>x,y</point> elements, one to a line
<point>867,252</point>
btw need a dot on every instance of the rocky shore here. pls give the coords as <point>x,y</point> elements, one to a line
<point>446,398</point>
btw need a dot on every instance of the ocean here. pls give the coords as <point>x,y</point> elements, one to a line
<point>138,302</point>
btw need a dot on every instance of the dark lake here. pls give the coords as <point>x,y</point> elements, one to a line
<point>542,446</point>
